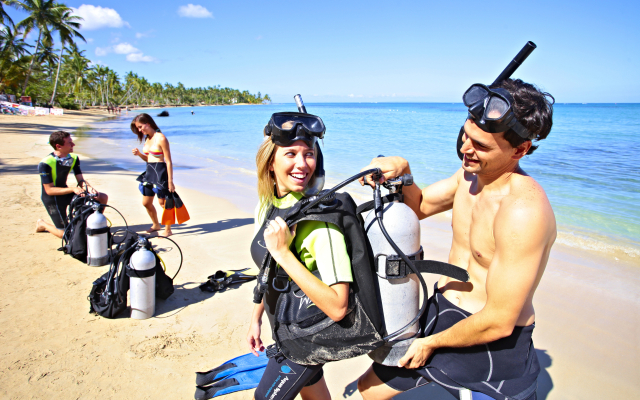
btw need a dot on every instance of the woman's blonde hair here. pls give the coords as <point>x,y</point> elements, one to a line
<point>266,180</point>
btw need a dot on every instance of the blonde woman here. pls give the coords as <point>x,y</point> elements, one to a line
<point>289,165</point>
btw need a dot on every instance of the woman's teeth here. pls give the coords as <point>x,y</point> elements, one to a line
<point>299,176</point>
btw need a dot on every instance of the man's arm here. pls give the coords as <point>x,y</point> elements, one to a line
<point>523,236</point>
<point>59,191</point>
<point>433,199</point>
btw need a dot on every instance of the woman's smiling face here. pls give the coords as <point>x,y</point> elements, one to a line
<point>293,166</point>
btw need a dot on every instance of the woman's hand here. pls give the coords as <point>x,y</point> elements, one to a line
<point>253,338</point>
<point>278,238</point>
<point>136,152</point>
<point>172,187</point>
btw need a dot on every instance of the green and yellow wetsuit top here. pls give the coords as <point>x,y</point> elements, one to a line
<point>53,169</point>
<point>320,246</point>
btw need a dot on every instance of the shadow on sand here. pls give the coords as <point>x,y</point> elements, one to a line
<point>197,229</point>
<point>433,391</point>
<point>184,297</point>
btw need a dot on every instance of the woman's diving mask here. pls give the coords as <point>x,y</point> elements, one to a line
<point>285,128</point>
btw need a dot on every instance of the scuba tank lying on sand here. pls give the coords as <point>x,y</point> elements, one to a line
<point>306,335</point>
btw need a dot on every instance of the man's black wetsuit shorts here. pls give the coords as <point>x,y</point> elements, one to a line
<point>283,379</point>
<point>57,208</point>
<point>505,367</point>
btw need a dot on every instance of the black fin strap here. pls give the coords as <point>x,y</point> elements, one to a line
<point>441,268</point>
<point>391,197</point>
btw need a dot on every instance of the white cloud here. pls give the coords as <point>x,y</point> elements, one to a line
<point>194,11</point>
<point>139,57</point>
<point>89,40</point>
<point>124,48</point>
<point>96,17</point>
<point>140,35</point>
<point>102,51</point>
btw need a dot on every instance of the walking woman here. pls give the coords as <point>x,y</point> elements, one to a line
<point>158,178</point>
<point>314,255</point>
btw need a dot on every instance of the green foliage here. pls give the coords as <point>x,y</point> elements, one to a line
<point>68,103</point>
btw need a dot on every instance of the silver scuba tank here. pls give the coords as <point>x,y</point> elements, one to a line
<point>142,282</point>
<point>97,238</point>
<point>399,287</point>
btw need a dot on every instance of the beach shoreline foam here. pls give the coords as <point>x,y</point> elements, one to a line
<point>587,304</point>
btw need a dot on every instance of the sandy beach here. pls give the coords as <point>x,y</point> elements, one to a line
<point>587,306</point>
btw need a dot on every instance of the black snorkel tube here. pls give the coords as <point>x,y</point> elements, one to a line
<point>515,63</point>
<point>522,55</point>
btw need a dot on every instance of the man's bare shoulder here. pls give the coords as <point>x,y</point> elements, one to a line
<point>526,207</point>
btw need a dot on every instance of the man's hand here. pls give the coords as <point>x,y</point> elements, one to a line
<point>391,167</point>
<point>79,190</point>
<point>418,354</point>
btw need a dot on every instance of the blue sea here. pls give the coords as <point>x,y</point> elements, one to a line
<point>585,165</point>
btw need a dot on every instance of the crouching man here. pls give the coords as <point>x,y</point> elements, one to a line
<point>478,335</point>
<point>56,195</point>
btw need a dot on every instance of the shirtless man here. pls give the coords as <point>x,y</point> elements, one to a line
<point>477,335</point>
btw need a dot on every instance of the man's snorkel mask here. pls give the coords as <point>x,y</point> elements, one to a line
<point>491,109</point>
<point>285,128</point>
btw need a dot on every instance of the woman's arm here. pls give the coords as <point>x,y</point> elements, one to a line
<point>164,144</point>
<point>137,152</point>
<point>332,300</point>
<point>255,329</point>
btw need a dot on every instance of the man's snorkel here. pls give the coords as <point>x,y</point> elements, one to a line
<point>491,109</point>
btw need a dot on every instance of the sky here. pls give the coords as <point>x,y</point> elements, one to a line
<point>369,51</point>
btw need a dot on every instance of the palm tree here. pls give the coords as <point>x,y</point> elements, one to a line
<point>66,26</point>
<point>13,47</point>
<point>42,15</point>
<point>4,17</point>
<point>47,57</point>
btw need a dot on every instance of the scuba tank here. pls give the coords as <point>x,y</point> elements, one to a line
<point>398,286</point>
<point>97,238</point>
<point>142,276</point>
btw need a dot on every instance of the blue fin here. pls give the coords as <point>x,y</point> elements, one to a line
<point>244,362</point>
<point>242,380</point>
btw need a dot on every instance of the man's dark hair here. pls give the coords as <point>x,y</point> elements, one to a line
<point>533,108</point>
<point>143,119</point>
<point>58,137</point>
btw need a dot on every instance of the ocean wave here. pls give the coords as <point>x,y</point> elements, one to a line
<point>603,245</point>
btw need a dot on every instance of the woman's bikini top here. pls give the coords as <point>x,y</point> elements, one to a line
<point>156,152</point>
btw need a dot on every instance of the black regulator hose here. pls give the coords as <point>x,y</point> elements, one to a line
<point>377,198</point>
<point>340,186</point>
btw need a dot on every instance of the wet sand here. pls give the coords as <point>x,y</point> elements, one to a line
<point>587,325</point>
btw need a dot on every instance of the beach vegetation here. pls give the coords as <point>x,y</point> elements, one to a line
<point>65,77</point>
